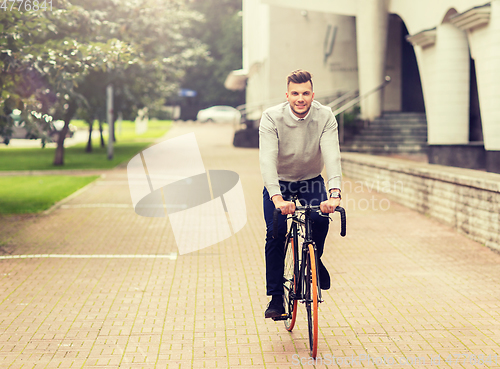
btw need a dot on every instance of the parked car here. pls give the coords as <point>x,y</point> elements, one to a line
<point>19,130</point>
<point>219,114</point>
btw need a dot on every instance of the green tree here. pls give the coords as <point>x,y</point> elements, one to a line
<point>222,32</point>
<point>43,60</point>
<point>159,32</point>
<point>20,32</point>
<point>51,60</point>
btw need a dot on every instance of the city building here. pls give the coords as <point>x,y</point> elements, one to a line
<point>443,59</point>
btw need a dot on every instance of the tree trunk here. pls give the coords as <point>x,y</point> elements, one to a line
<point>59,157</point>
<point>89,142</point>
<point>100,131</point>
<point>114,127</point>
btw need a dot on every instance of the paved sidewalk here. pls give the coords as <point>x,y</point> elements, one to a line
<point>95,285</point>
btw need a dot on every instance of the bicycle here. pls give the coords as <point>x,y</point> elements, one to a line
<point>300,278</point>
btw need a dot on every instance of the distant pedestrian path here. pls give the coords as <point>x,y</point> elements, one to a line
<point>92,284</point>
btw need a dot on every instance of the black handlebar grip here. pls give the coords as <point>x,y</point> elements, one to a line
<point>342,220</point>
<point>276,214</point>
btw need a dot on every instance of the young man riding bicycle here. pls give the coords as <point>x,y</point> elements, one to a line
<point>296,140</point>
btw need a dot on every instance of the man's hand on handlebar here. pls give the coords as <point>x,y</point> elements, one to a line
<point>329,205</point>
<point>287,207</point>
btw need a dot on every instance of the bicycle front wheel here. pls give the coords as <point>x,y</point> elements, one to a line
<point>311,295</point>
<point>289,285</point>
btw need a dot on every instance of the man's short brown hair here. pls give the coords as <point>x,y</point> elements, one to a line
<point>299,76</point>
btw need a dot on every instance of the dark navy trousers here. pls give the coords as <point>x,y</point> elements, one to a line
<point>312,192</point>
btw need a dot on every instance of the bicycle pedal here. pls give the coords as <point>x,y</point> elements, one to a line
<point>281,317</point>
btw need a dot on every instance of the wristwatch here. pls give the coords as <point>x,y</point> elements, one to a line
<point>335,195</point>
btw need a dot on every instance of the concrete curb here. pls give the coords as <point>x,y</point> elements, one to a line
<point>72,196</point>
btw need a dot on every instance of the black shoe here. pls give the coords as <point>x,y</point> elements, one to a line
<point>275,307</point>
<point>324,277</point>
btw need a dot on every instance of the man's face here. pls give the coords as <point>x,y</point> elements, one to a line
<point>300,97</point>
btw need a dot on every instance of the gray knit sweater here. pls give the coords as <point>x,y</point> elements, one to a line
<point>291,150</point>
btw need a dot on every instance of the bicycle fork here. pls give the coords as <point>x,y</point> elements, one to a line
<point>301,290</point>
<point>308,236</point>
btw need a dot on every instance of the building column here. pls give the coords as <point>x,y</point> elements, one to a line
<point>491,112</point>
<point>425,51</point>
<point>448,120</point>
<point>483,28</point>
<point>371,33</point>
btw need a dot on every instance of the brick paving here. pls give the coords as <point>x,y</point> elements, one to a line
<point>94,285</point>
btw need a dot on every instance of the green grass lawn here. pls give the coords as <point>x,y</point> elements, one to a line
<point>74,157</point>
<point>32,194</point>
<point>126,146</point>
<point>126,130</point>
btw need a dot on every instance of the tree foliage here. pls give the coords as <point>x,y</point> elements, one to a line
<point>221,30</point>
<point>53,62</point>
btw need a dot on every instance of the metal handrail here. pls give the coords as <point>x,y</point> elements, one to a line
<point>262,106</point>
<point>340,111</point>
<point>342,98</point>
<point>277,101</point>
<point>354,101</point>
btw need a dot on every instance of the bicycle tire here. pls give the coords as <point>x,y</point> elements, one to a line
<point>289,285</point>
<point>311,295</point>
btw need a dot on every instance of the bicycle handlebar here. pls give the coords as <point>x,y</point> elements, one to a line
<point>342,220</point>
<point>340,209</point>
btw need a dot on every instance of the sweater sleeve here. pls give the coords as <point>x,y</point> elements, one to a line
<point>330,151</point>
<point>268,154</point>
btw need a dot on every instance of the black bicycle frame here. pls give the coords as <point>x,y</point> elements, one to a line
<point>300,273</point>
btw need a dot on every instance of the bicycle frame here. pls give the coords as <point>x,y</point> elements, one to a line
<point>297,281</point>
<point>299,267</point>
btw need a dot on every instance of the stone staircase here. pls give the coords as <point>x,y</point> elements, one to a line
<point>393,133</point>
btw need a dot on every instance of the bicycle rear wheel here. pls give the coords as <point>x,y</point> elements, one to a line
<point>289,285</point>
<point>311,295</point>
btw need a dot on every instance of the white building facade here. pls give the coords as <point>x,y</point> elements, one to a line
<point>443,58</point>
